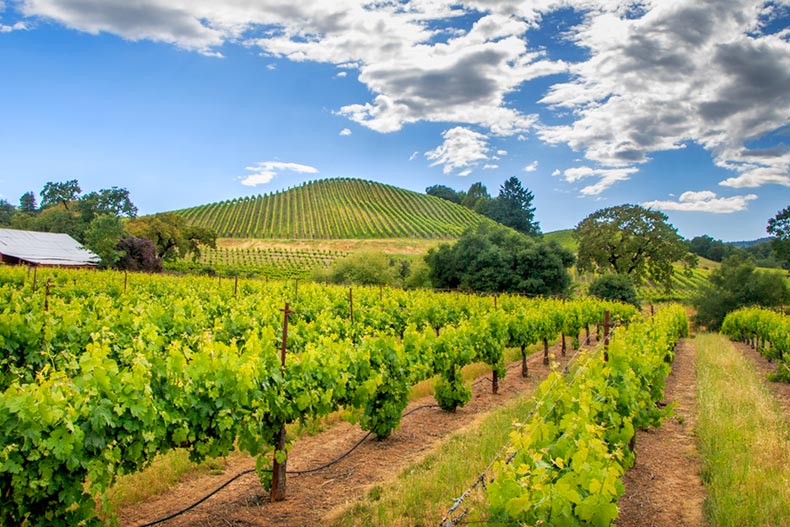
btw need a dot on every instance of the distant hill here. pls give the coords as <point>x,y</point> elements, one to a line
<point>564,238</point>
<point>751,243</point>
<point>336,209</point>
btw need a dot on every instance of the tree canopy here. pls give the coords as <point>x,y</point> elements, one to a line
<point>60,192</point>
<point>6,212</point>
<point>737,283</point>
<point>512,207</point>
<point>779,229</point>
<point>172,235</point>
<point>27,203</point>
<point>633,241</point>
<point>493,258</point>
<point>475,193</point>
<point>616,287</point>
<point>441,191</point>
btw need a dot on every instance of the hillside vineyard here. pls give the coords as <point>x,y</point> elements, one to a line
<point>336,209</point>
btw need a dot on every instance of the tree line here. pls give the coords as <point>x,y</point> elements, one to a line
<point>106,222</point>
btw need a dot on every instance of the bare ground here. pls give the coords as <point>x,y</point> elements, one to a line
<point>664,488</point>
<point>314,498</point>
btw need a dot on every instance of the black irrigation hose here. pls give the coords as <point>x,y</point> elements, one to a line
<point>201,500</point>
<point>295,472</point>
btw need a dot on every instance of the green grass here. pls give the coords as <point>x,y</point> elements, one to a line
<point>336,209</point>
<point>424,491</point>
<point>744,440</point>
<point>564,238</point>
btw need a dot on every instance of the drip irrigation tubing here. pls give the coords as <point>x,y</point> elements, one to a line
<point>292,472</point>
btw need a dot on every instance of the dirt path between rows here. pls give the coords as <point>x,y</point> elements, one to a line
<point>664,489</point>
<point>312,498</point>
<point>780,390</point>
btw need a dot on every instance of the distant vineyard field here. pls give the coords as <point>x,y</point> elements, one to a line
<point>336,209</point>
<point>276,263</point>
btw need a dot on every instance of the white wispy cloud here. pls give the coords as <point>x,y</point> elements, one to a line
<point>606,177</point>
<point>462,149</point>
<point>704,201</point>
<point>264,172</point>
<point>345,132</point>
<point>532,167</point>
<point>490,166</point>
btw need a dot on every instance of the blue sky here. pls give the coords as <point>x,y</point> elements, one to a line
<point>680,105</point>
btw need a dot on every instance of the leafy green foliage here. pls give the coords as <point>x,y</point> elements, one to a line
<point>761,327</point>
<point>102,237</point>
<point>112,373</point>
<point>512,208</point>
<point>444,192</point>
<point>6,212</point>
<point>716,250</point>
<point>172,235</point>
<point>476,193</point>
<point>361,268</point>
<point>493,258</point>
<point>734,285</point>
<point>60,192</point>
<point>633,241</point>
<point>567,460</point>
<point>27,203</point>
<point>615,287</point>
<point>779,229</point>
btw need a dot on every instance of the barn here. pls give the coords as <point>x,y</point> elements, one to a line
<point>44,249</point>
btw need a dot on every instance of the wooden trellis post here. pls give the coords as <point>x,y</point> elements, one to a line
<point>278,469</point>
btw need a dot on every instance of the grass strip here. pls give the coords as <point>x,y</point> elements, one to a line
<point>744,439</point>
<point>424,491</point>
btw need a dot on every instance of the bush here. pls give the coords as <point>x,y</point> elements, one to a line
<point>734,285</point>
<point>491,258</point>
<point>139,254</point>
<point>362,268</point>
<point>616,287</point>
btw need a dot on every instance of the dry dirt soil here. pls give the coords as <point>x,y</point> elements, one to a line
<point>663,488</point>
<point>314,498</point>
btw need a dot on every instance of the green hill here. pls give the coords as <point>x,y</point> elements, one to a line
<point>336,209</point>
<point>564,238</point>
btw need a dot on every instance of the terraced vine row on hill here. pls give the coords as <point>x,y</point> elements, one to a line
<point>273,263</point>
<point>336,209</point>
<point>100,374</point>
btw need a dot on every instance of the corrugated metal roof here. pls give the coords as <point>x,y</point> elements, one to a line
<point>45,248</point>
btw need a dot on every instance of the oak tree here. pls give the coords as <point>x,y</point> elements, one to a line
<point>632,241</point>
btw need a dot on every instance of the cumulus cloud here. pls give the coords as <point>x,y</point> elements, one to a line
<point>462,149</point>
<point>704,201</point>
<point>345,132</point>
<point>656,75</point>
<point>415,69</point>
<point>684,71</point>
<point>532,167</point>
<point>264,172</point>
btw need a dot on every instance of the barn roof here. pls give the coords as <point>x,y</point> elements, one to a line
<point>45,248</point>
